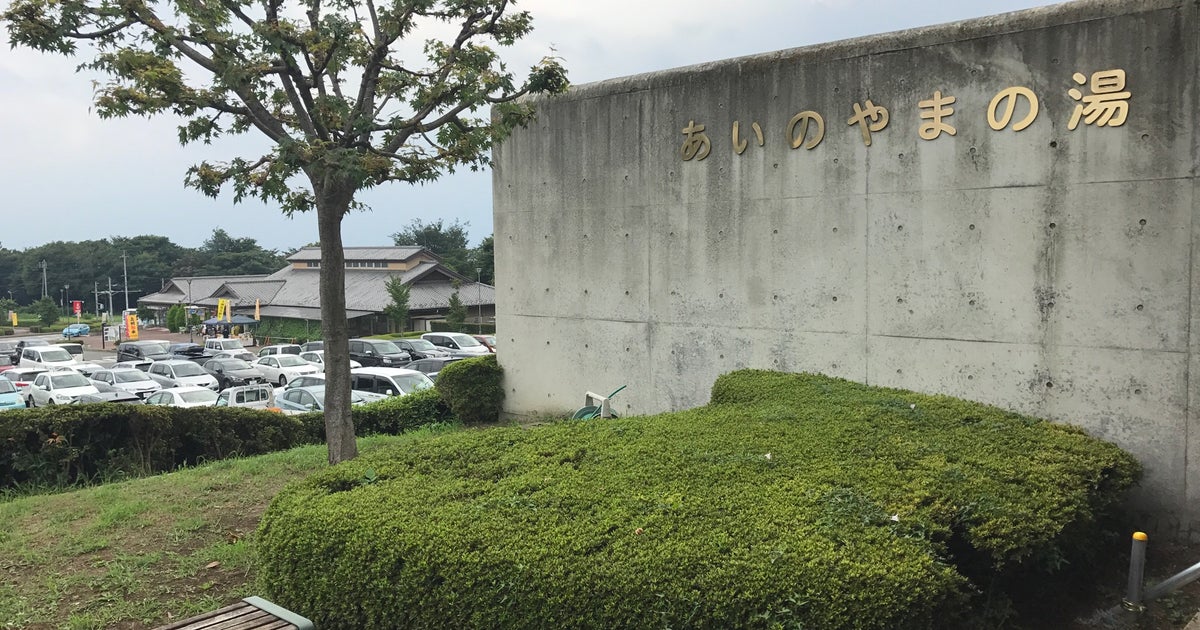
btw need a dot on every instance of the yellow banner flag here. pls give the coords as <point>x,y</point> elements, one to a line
<point>14,317</point>
<point>222,304</point>
<point>131,326</point>
<point>257,314</point>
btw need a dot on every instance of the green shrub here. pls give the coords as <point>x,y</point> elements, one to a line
<point>789,501</point>
<point>68,444</point>
<point>472,389</point>
<point>35,329</point>
<point>6,331</point>
<point>471,328</point>
<point>398,414</point>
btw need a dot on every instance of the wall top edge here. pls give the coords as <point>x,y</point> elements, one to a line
<point>975,28</point>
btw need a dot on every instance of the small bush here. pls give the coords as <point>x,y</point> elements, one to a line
<point>35,329</point>
<point>472,389</point>
<point>789,501</point>
<point>6,331</point>
<point>398,414</point>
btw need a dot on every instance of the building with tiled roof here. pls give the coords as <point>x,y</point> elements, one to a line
<point>294,291</point>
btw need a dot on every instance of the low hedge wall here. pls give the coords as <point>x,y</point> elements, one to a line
<point>788,501</point>
<point>69,444</point>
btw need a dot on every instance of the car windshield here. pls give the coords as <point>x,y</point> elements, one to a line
<point>291,360</point>
<point>313,357</point>
<point>7,387</point>
<point>22,376</point>
<point>56,355</point>
<point>231,344</point>
<point>154,348</point>
<point>422,344</point>
<point>64,380</point>
<point>36,342</point>
<point>465,341</point>
<point>410,383</point>
<point>130,376</point>
<point>385,347</point>
<point>188,369</point>
<point>198,396</point>
<point>233,364</point>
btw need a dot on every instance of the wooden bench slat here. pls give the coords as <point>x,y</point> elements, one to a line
<point>252,613</point>
<point>256,620</point>
<point>185,623</point>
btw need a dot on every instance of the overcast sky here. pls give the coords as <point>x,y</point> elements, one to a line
<point>65,174</point>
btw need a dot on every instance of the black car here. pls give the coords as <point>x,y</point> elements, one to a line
<point>144,350</point>
<point>432,365</point>
<point>191,351</point>
<point>421,348</point>
<point>378,353</point>
<point>233,372</point>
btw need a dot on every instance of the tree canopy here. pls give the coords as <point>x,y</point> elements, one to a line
<point>327,83</point>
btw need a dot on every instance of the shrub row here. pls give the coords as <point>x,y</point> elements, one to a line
<point>471,328</point>
<point>788,501</point>
<point>70,444</point>
<point>6,331</point>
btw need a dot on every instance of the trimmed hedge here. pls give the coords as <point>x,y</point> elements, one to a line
<point>472,389</point>
<point>788,501</point>
<point>69,444</point>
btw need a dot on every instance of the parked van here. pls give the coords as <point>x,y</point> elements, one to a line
<point>221,343</point>
<point>76,350</point>
<point>46,357</point>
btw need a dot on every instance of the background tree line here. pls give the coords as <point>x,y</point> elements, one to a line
<point>75,269</point>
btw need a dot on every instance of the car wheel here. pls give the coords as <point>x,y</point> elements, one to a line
<point>29,403</point>
<point>50,402</point>
<point>282,380</point>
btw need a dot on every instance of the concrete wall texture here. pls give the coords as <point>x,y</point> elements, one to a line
<point>1050,269</point>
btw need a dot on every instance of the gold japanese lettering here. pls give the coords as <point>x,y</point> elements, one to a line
<point>696,144</point>
<point>1107,105</point>
<point>1008,96</point>
<point>878,119</point>
<point>739,145</point>
<point>934,110</point>
<point>802,119</point>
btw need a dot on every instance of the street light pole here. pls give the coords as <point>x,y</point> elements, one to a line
<point>188,315</point>
<point>479,297</point>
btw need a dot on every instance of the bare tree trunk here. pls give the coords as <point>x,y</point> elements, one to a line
<point>333,201</point>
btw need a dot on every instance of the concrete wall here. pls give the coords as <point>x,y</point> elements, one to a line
<point>1046,270</point>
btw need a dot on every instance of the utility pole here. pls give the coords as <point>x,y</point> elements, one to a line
<point>125,272</point>
<point>96,296</point>
<point>43,266</point>
<point>110,297</point>
<point>479,297</point>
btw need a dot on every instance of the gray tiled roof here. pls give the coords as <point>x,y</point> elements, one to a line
<point>313,254</point>
<point>295,292</point>
<point>176,290</point>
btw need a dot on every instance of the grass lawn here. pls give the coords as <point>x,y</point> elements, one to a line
<point>139,553</point>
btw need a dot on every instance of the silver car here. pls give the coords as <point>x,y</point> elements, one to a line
<point>131,380</point>
<point>181,373</point>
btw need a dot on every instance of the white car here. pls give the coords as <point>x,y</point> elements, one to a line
<point>388,381</point>
<point>279,348</point>
<point>317,358</point>
<point>131,380</point>
<point>140,364</point>
<point>58,388</point>
<point>244,355</point>
<point>187,396</point>
<point>23,379</point>
<point>46,357</point>
<point>181,373</point>
<point>258,396</point>
<point>281,368</point>
<point>457,344</point>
